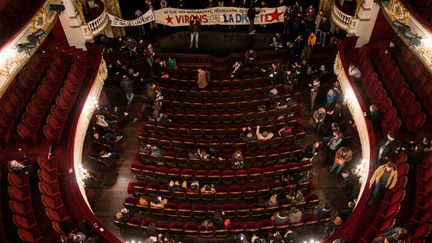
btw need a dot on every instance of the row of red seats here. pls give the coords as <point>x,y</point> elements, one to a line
<point>20,203</point>
<point>36,110</point>
<point>224,105</point>
<point>219,93</point>
<point>60,111</point>
<point>227,117</point>
<point>21,90</point>
<point>227,145</point>
<point>202,211</point>
<point>193,229</point>
<point>187,73</point>
<point>250,160</point>
<point>410,109</point>
<point>51,195</point>
<point>266,173</point>
<point>419,224</point>
<point>417,75</point>
<point>377,95</point>
<point>391,204</point>
<point>216,130</point>
<point>245,192</point>
<point>224,84</point>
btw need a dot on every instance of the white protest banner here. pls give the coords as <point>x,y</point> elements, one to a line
<point>143,19</point>
<point>218,15</point>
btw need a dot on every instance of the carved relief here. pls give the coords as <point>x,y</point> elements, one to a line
<point>397,11</point>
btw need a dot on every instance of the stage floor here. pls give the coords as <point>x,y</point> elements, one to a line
<point>218,44</point>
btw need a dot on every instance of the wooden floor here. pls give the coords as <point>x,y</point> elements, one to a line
<point>114,191</point>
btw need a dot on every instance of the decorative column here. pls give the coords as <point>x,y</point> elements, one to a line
<point>113,7</point>
<point>364,21</point>
<point>73,24</point>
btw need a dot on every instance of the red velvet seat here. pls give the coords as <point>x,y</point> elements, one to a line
<point>28,236</point>
<point>422,232</point>
<point>19,208</point>
<point>24,223</point>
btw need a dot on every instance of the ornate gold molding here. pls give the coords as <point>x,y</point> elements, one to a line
<point>397,11</point>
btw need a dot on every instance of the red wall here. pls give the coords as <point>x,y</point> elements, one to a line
<point>382,29</point>
<point>58,33</point>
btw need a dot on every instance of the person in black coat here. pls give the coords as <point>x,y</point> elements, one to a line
<point>386,147</point>
<point>374,116</point>
<point>324,27</point>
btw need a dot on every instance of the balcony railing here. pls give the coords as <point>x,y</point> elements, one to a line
<point>97,25</point>
<point>341,19</point>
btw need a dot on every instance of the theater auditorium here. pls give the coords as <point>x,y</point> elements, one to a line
<point>249,121</point>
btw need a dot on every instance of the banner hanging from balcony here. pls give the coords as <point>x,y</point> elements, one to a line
<point>218,15</point>
<point>143,19</point>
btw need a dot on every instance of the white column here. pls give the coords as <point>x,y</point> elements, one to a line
<point>364,22</point>
<point>72,25</point>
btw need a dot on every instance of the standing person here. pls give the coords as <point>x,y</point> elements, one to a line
<point>386,146</point>
<point>288,18</point>
<point>355,73</point>
<point>149,54</point>
<point>195,26</point>
<point>251,13</point>
<point>343,155</point>
<point>384,176</point>
<point>152,24</point>
<point>331,98</point>
<point>318,22</point>
<point>203,78</point>
<point>324,28</point>
<point>309,17</point>
<point>314,91</point>
<point>141,29</point>
<point>131,45</point>
<point>318,118</point>
<point>126,85</point>
<point>250,56</point>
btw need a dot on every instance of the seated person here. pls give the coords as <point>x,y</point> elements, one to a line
<point>298,198</point>
<point>236,70</point>
<point>285,131</point>
<point>272,201</point>
<point>158,202</point>
<point>207,224</point>
<point>155,151</point>
<point>280,217</point>
<point>123,215</point>
<point>272,73</point>
<point>175,186</point>
<point>208,189</point>
<point>171,62</point>
<point>294,215</point>
<point>276,42</point>
<point>312,150</point>
<point>194,187</point>
<point>374,116</point>
<point>20,168</point>
<point>272,93</point>
<point>324,212</point>
<point>264,136</point>
<point>104,155</point>
<point>247,135</point>
<point>159,68</point>
<point>142,202</point>
<point>346,212</point>
<point>237,160</point>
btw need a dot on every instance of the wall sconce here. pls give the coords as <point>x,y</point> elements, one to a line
<point>58,8</point>
<point>25,47</point>
<point>34,37</point>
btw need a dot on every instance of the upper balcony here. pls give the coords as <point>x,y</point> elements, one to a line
<point>412,28</point>
<point>14,15</point>
<point>96,18</point>
<point>13,56</point>
<point>342,13</point>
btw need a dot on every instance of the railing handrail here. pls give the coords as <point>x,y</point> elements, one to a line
<point>417,16</point>
<point>22,25</point>
<point>340,16</point>
<point>95,25</point>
